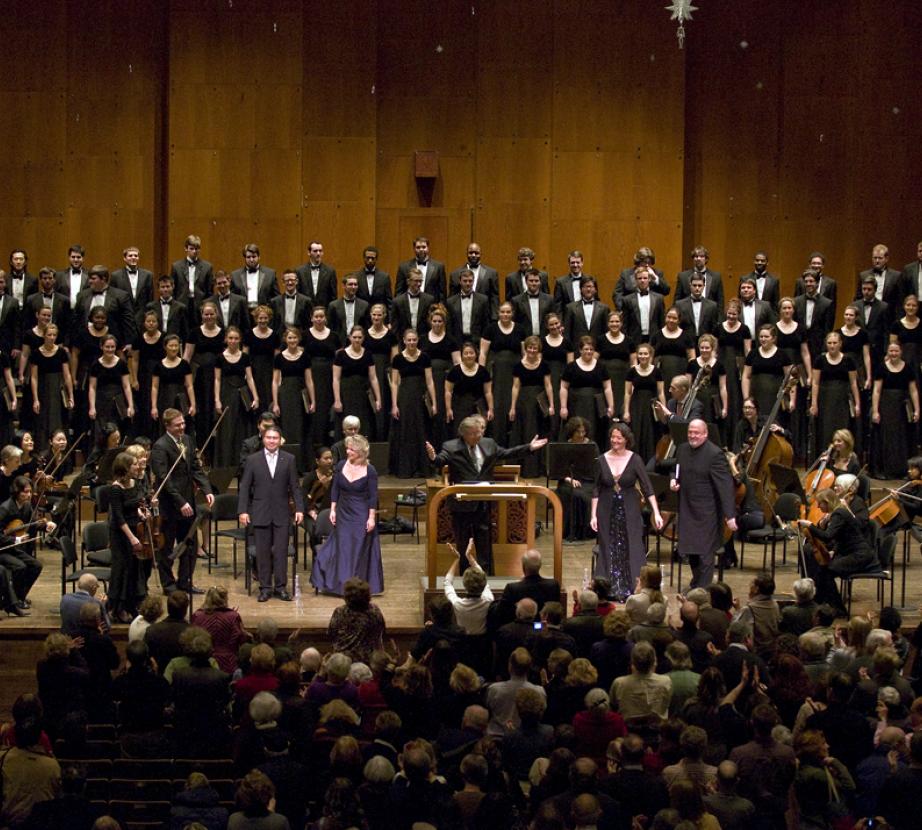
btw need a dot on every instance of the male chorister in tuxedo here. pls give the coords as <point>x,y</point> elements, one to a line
<point>825,285</point>
<point>587,315</point>
<point>116,303</point>
<point>713,284</point>
<point>626,284</point>
<point>374,284</point>
<point>269,481</point>
<point>876,315</point>
<point>411,309</point>
<point>47,297</point>
<point>19,282</point>
<point>137,282</point>
<point>516,282</point>
<point>172,315</point>
<point>75,278</point>
<point>697,313</point>
<point>10,325</point>
<point>768,286</point>
<point>317,279</point>
<point>348,310</point>
<point>471,457</point>
<point>432,271</point>
<point>890,285</point>
<point>814,313</point>
<point>254,282</point>
<point>567,288</point>
<point>291,308</point>
<point>192,278</point>
<point>530,309</point>
<point>232,308</point>
<point>753,312</point>
<point>912,274</point>
<point>486,279</point>
<point>468,311</point>
<point>644,311</point>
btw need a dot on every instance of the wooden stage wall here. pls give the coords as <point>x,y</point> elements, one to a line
<point>558,124</point>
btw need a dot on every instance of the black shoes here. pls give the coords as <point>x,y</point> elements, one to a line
<point>264,595</point>
<point>16,611</point>
<point>283,595</point>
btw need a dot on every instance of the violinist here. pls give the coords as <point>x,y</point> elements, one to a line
<point>9,469</point>
<point>28,462</point>
<point>749,514</point>
<point>16,530</point>
<point>316,488</point>
<point>56,466</point>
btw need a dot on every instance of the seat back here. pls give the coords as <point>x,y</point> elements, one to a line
<point>68,552</point>
<point>101,498</point>
<point>95,536</point>
<point>224,508</point>
<point>323,526</point>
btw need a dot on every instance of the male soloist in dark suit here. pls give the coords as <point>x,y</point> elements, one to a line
<point>374,284</point>
<point>192,276</point>
<point>530,308</point>
<point>263,279</point>
<point>317,279</point>
<point>291,308</point>
<point>486,279</point>
<point>269,480</point>
<point>432,270</point>
<point>475,304</point>
<point>471,457</point>
<point>642,306</point>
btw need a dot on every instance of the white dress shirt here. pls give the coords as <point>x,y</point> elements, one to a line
<point>272,459</point>
<point>252,288</point>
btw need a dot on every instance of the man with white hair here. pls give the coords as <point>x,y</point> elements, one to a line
<point>798,618</point>
<point>586,626</point>
<point>519,632</point>
<point>87,586</point>
<point>310,664</point>
<point>539,588</point>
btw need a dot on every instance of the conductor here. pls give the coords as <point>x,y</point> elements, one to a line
<point>268,483</point>
<point>705,487</point>
<point>471,457</point>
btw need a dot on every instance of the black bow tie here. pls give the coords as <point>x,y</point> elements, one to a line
<point>878,272</point>
<point>370,272</point>
<point>533,296</point>
<point>413,296</point>
<point>422,261</point>
<point>132,270</point>
<point>252,270</point>
<point>76,273</point>
<point>99,293</point>
<point>868,303</point>
<point>696,299</point>
<point>347,300</point>
<point>291,296</point>
<point>165,302</point>
<point>48,296</point>
<point>588,302</point>
<point>222,297</point>
<point>644,293</point>
<point>466,296</point>
<point>750,303</point>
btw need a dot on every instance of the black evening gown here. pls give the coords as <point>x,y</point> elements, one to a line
<point>237,425</point>
<point>529,420</point>
<point>584,385</point>
<point>128,583</point>
<point>731,352</point>
<point>321,352</point>
<point>835,394</point>
<point>467,394</point>
<point>621,539</point>
<point>798,421</point>
<point>440,353</point>
<point>172,390</point>
<point>577,506</point>
<point>50,382</point>
<point>108,392</point>
<point>262,353</point>
<point>643,425</point>
<point>671,353</point>
<point>380,348</point>
<point>89,352</point>
<point>911,341</point>
<point>765,377</point>
<point>354,389</point>
<point>207,351</point>
<point>556,359</point>
<point>409,432</point>
<point>505,353</point>
<point>292,417</point>
<point>892,444</point>
<point>616,358</point>
<point>149,355</point>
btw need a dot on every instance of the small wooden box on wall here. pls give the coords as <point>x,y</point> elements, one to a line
<point>426,164</point>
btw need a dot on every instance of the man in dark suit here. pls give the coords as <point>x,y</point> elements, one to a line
<point>75,278</point>
<point>677,409</point>
<point>192,277</point>
<point>254,443</point>
<point>486,279</point>
<point>739,651</point>
<point>411,310</point>
<point>468,311</point>
<point>177,499</point>
<point>768,286</point>
<point>71,603</point>
<point>10,323</point>
<point>254,282</point>
<point>643,310</point>
<point>269,480</point>
<point>713,284</point>
<point>172,316</point>
<point>530,309</point>
<point>585,627</point>
<point>317,279</point>
<point>116,303</point>
<point>348,310</point>
<point>876,316</point>
<point>374,284</point>
<point>232,308</point>
<point>516,282</point>
<point>532,586</point>
<point>291,308</point>
<point>567,288</point>
<point>890,285</point>
<point>19,282</point>
<point>825,285</point>
<point>471,457</point>
<point>137,283</point>
<point>814,313</point>
<point>912,274</point>
<point>753,312</point>
<point>162,637</point>
<point>47,296</point>
<point>627,284</point>
<point>698,314</point>
<point>432,271</point>
<point>587,315</point>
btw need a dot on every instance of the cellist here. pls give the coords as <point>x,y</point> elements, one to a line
<point>749,427</point>
<point>749,513</point>
<point>17,532</point>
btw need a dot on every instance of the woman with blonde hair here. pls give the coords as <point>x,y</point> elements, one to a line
<point>225,626</point>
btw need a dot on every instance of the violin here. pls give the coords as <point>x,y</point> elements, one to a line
<point>149,530</point>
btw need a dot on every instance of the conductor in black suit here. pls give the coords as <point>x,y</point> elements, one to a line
<point>269,480</point>
<point>471,457</point>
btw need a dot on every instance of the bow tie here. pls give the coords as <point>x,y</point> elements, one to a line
<point>751,303</point>
<point>868,303</point>
<point>533,296</point>
<point>466,296</point>
<point>643,293</point>
<point>99,293</point>
<point>132,270</point>
<point>315,267</point>
<point>165,302</point>
<point>588,302</point>
<point>878,272</point>
<point>422,262</point>
<point>696,299</point>
<point>413,296</point>
<point>371,272</point>
<point>347,300</point>
<point>48,296</point>
<point>252,270</point>
<point>76,273</point>
<point>291,296</point>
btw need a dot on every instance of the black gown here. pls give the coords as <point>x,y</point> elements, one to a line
<point>50,381</point>
<point>765,377</point>
<point>671,353</point>
<point>556,359</point>
<point>109,393</point>
<point>380,348</point>
<point>149,355</point>
<point>643,425</point>
<point>237,425</point>
<point>892,443</point>
<point>262,352</point>
<point>584,385</point>
<point>409,432</point>
<point>90,349</point>
<point>321,352</point>
<point>529,420</point>
<point>467,394</point>
<point>172,390</point>
<point>731,353</point>
<point>354,389</point>
<point>835,395</point>
<point>799,423</point>
<point>577,505</point>
<point>6,417</point>
<point>616,358</point>
<point>207,351</point>
<point>128,583</point>
<point>292,417</point>
<point>440,353</point>
<point>505,353</point>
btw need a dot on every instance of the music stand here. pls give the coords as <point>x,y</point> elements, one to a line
<point>566,460</point>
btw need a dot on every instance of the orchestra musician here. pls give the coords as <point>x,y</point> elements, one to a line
<point>316,489</point>
<point>749,513</point>
<point>17,529</point>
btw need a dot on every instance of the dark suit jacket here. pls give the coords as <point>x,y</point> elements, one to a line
<point>705,498</point>
<point>697,411</point>
<point>533,586</point>
<point>730,664</point>
<point>238,313</point>
<point>763,314</point>
<point>586,628</point>
<point>461,467</point>
<point>336,316</point>
<point>575,322</point>
<point>122,322</point>
<point>247,448</point>
<point>480,317</point>
<point>911,275</point>
<point>826,288</point>
<point>713,288</point>
<point>487,284</point>
<point>771,290</point>
<point>380,288</point>
<point>266,497</point>
<point>60,313</point>
<point>822,322</point>
<point>878,328</point>
<point>563,290</point>
<point>204,277</point>
<point>303,309</point>
<point>29,287</point>
<point>400,316</point>
<point>895,288</point>
<point>434,283</point>
<point>10,325</point>
<point>268,286</point>
<point>62,281</point>
<point>708,319</point>
<point>521,311</point>
<point>630,309</point>
<point>627,285</point>
<point>515,284</point>
<point>119,279</point>
<point>327,285</point>
<point>180,486</point>
<point>177,322</point>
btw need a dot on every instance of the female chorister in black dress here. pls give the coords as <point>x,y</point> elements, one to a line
<point>413,396</point>
<point>617,353</point>
<point>765,369</point>
<point>9,405</point>
<point>381,342</point>
<point>109,392</point>
<point>291,375</point>
<point>734,340</point>
<point>31,340</point>
<point>85,349</point>
<point>501,345</point>
<point>582,380</point>
<point>644,386</point>
<point>468,390</point>
<point>576,493</point>
<point>321,345</point>
<point>49,372</point>
<point>171,385</point>
<point>616,512</point>
<point>673,347</point>
<point>856,344</point>
<point>353,378</point>
<point>835,392</point>
<point>444,353</point>
<point>261,343</point>
<point>206,342</point>
<point>232,373</point>
<point>557,353</point>
<point>146,354</point>
<point>791,338</point>
<point>895,414</point>
<point>713,394</point>
<point>531,379</point>
<point>908,333</point>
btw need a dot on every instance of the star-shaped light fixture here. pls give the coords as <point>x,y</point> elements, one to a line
<point>681,11</point>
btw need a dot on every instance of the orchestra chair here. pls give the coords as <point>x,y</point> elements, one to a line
<point>69,571</point>
<point>224,509</point>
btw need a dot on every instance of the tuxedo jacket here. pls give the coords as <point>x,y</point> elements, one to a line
<point>461,467</point>
<point>145,293</point>
<point>303,309</point>
<point>764,314</point>
<point>238,314</point>
<point>10,324</point>
<point>400,318</point>
<point>62,281</point>
<point>176,323</point>
<point>267,287</point>
<point>627,285</point>
<point>911,275</point>
<point>895,288</point>
<point>265,497</point>
<point>336,317</point>
<point>204,277</point>
<point>480,317</point>
<point>515,284</point>
<point>434,284</point>
<point>521,310</point>
<point>878,328</point>
<point>771,289</point>
<point>563,291</point>
<point>826,288</point>
<point>122,322</point>
<point>575,322</point>
<point>60,313</point>
<point>180,486</point>
<point>380,289</point>
<point>713,286</point>
<point>708,317</point>
<point>327,285</point>
<point>487,284</point>
<point>29,286</point>
<point>822,324</point>
<point>630,310</point>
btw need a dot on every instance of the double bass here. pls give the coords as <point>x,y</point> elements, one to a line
<point>665,447</point>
